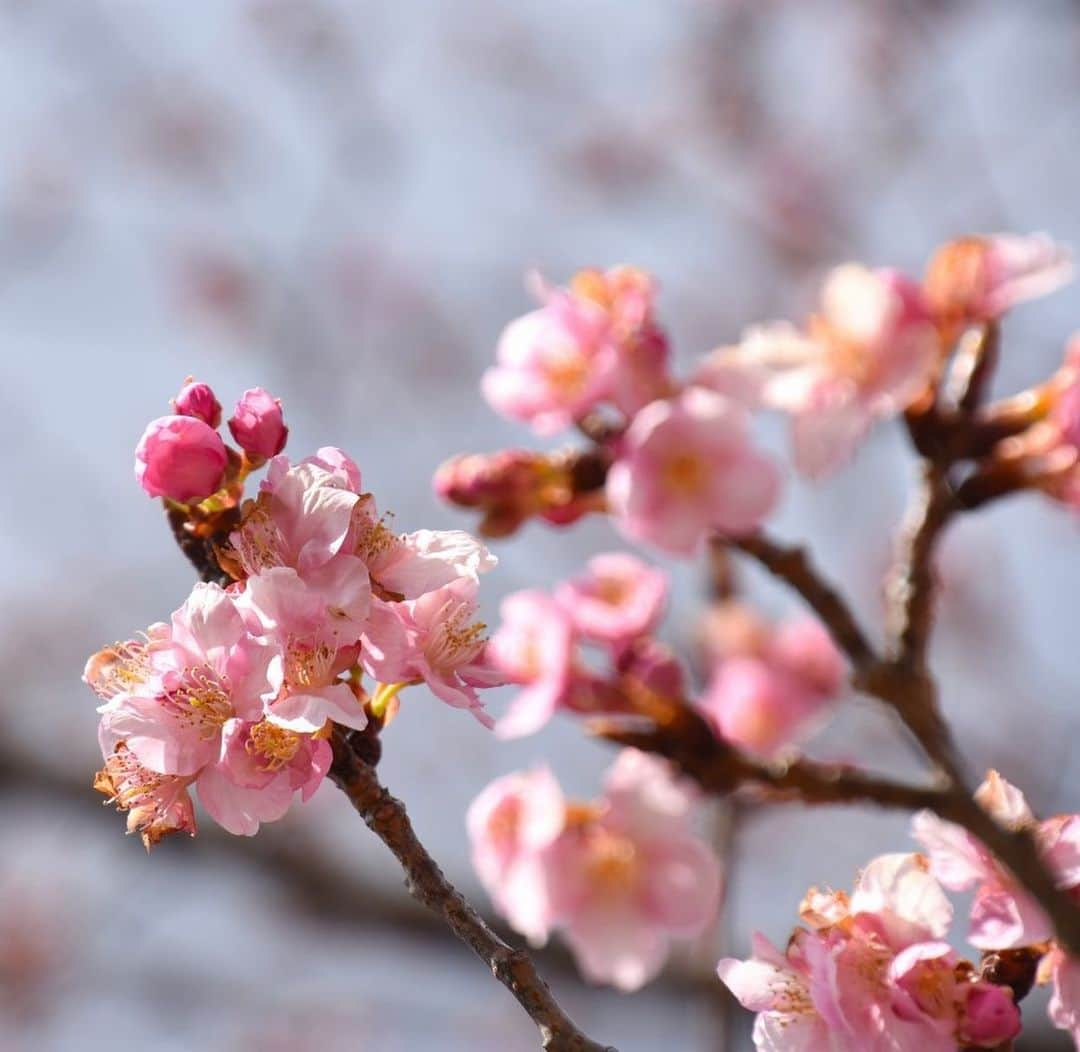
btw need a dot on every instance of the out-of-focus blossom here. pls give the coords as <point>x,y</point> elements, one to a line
<point>198,400</point>
<point>619,877</point>
<point>513,485</point>
<point>1064,1008</point>
<point>866,356</point>
<point>768,684</point>
<point>257,424</point>
<point>554,364</point>
<point>624,883</point>
<point>686,466</point>
<point>512,825</point>
<point>627,295</point>
<point>533,647</point>
<point>181,458</point>
<point>1003,915</point>
<point>977,279</point>
<point>594,342</point>
<point>618,599</point>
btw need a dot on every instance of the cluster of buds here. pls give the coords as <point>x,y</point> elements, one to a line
<point>236,695</point>
<point>618,876</point>
<point>514,485</point>
<point>183,458</point>
<point>873,970</point>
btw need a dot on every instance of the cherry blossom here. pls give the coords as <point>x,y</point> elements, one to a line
<point>768,685</point>
<point>512,825</point>
<point>554,364</point>
<point>866,356</point>
<point>533,647</point>
<point>977,279</point>
<point>685,467</point>
<point>618,599</point>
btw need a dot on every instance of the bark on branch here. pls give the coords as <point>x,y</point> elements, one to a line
<point>387,818</point>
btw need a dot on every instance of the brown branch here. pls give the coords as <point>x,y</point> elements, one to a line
<point>686,739</point>
<point>387,819</point>
<point>910,590</point>
<point>792,564</point>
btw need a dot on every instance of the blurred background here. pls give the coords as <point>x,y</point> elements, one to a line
<point>338,201</point>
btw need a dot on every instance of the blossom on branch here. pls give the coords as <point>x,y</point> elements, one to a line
<point>868,353</point>
<point>619,877</point>
<point>686,467</point>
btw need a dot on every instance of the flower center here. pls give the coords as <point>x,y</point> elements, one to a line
<point>567,372</point>
<point>273,745</point>
<point>200,700</point>
<point>613,863</point>
<point>684,474</point>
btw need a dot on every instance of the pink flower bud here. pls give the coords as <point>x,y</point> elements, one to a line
<point>257,424</point>
<point>197,400</point>
<point>990,1016</point>
<point>180,457</point>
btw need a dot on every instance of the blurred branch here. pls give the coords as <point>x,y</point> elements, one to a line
<point>387,819</point>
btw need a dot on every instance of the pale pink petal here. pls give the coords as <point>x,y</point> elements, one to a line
<point>682,885</point>
<point>612,946</point>
<point>307,713</point>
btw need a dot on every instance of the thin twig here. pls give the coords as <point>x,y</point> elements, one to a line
<point>792,564</point>
<point>387,818</point>
<point>686,739</point>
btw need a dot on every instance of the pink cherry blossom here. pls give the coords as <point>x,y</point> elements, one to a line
<point>437,639</point>
<point>414,564</point>
<point>511,826</point>
<point>262,766</point>
<point>1003,915</point>
<point>554,364</point>
<point>898,899</point>
<point>628,296</point>
<point>625,882</point>
<point>865,357</point>
<point>533,647</point>
<point>1064,1007</point>
<point>977,279</point>
<point>686,467</point>
<point>198,400</point>
<point>301,518</point>
<point>618,599</point>
<point>257,424</point>
<point>756,707</point>
<point>768,685</point>
<point>203,671</point>
<point>156,804</point>
<point>181,458</point>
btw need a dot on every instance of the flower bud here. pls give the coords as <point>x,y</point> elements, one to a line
<point>257,424</point>
<point>990,1016</point>
<point>197,400</point>
<point>180,457</point>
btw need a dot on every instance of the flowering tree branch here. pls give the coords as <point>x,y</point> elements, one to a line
<point>353,771</point>
<point>387,818</point>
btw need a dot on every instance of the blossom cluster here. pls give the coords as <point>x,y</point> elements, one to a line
<point>619,876</point>
<point>767,685</point>
<point>873,970</point>
<point>236,695</point>
<point>678,456</point>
